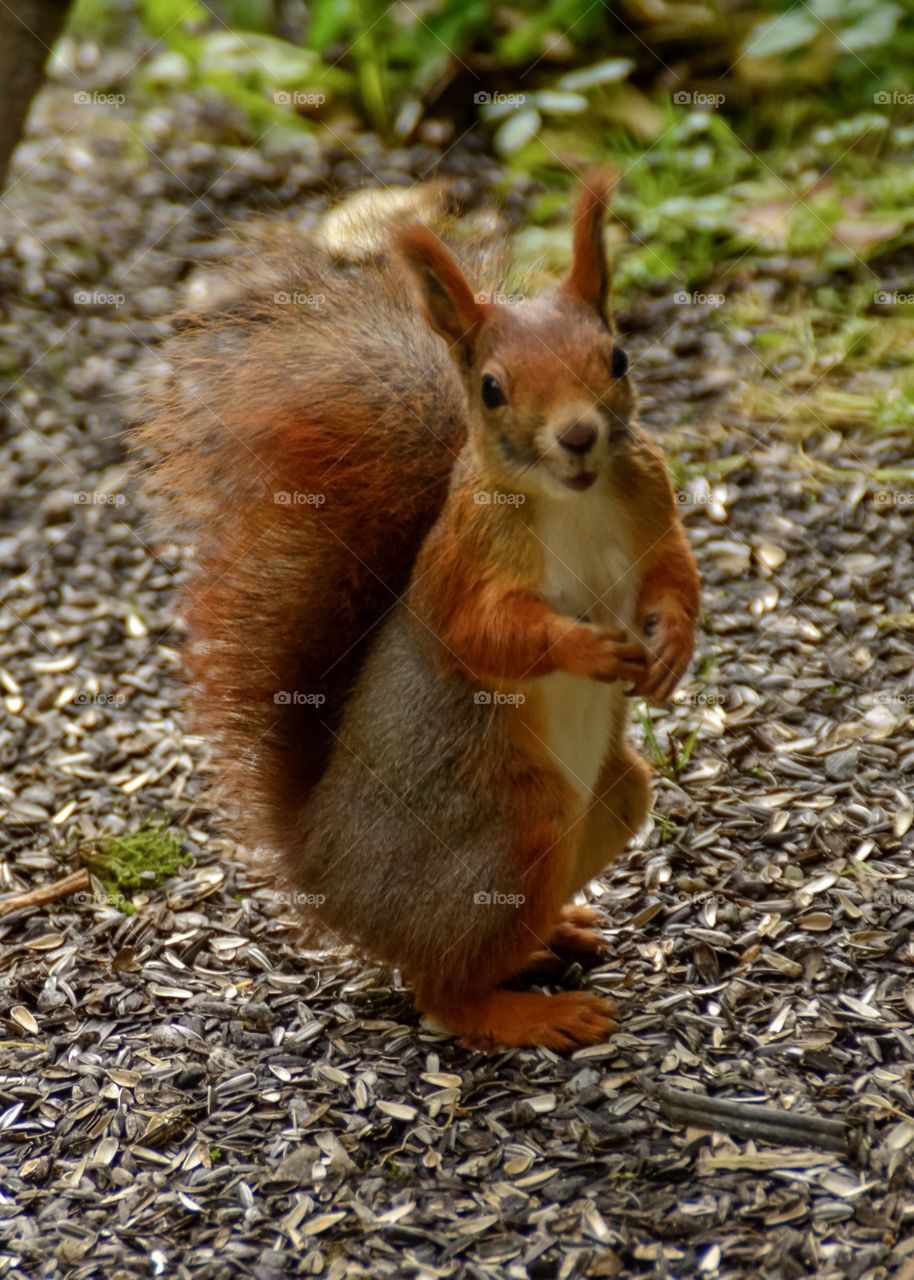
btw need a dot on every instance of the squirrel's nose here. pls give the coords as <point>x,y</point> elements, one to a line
<point>579,437</point>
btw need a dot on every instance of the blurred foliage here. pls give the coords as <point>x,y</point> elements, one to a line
<point>753,138</point>
<point>742,128</point>
<point>542,62</point>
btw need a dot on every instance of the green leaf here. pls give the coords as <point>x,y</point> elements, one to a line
<point>558,104</point>
<point>275,62</point>
<point>330,20</point>
<point>788,31</point>
<point>532,38</point>
<point>250,15</point>
<point>160,17</point>
<point>873,30</point>
<point>517,131</point>
<point>611,71</point>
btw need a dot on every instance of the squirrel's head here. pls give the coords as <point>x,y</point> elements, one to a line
<point>550,400</point>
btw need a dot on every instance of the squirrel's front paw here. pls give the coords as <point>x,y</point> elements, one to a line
<point>604,653</point>
<point>669,638</point>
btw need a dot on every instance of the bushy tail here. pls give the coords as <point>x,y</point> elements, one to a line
<point>305,429</point>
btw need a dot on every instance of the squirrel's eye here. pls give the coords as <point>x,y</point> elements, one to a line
<point>492,394</point>
<point>619,363</point>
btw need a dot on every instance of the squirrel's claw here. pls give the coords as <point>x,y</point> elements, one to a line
<point>668,655</point>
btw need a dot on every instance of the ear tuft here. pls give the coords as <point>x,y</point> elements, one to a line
<point>590,276</point>
<point>449,304</point>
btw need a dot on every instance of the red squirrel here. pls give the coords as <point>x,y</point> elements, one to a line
<point>415,664</point>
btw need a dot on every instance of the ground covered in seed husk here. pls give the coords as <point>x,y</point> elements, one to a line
<point>183,1092</point>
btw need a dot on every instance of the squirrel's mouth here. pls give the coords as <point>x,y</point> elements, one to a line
<point>583,480</point>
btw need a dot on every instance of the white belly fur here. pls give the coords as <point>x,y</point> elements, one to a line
<point>589,570</point>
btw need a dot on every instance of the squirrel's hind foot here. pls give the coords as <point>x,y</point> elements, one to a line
<point>512,1019</point>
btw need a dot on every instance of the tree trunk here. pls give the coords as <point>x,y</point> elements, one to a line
<point>28,29</point>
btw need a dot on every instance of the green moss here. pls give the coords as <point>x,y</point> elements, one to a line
<point>141,859</point>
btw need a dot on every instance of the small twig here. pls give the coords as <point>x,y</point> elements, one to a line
<point>73,883</point>
<point>748,1120</point>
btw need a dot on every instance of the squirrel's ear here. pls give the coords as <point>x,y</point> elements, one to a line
<point>449,303</point>
<point>590,276</point>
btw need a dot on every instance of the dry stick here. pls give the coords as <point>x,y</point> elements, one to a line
<point>73,883</point>
<point>772,1124</point>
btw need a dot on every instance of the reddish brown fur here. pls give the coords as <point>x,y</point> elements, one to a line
<point>474,587</point>
<point>265,397</point>
<point>289,598</point>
